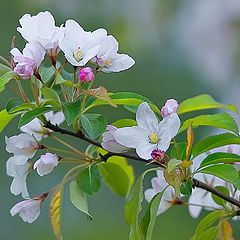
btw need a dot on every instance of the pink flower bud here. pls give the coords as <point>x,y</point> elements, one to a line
<point>86,74</point>
<point>157,155</point>
<point>170,107</point>
<point>25,71</point>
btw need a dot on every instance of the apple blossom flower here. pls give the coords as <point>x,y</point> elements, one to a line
<point>29,210</point>
<point>18,168</point>
<point>170,107</point>
<point>46,164</point>
<point>108,59</point>
<point>22,144</point>
<point>149,134</point>
<point>158,185</point>
<point>40,28</point>
<point>86,74</point>
<point>28,61</point>
<point>109,142</point>
<point>35,127</point>
<point>79,46</point>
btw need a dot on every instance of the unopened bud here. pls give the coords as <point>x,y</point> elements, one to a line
<point>86,74</point>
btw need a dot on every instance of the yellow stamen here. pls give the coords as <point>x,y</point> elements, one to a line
<point>153,137</point>
<point>77,54</point>
<point>108,63</point>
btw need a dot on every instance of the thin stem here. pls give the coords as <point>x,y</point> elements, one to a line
<point>196,183</point>
<point>177,149</point>
<point>69,146</point>
<point>14,89</point>
<point>24,96</point>
<point>36,91</point>
<point>32,87</point>
<point>62,150</point>
<point>73,160</point>
<point>5,60</point>
<point>63,92</point>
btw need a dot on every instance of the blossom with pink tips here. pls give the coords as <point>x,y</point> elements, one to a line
<point>29,210</point>
<point>109,142</point>
<point>46,164</point>
<point>86,74</point>
<point>22,144</point>
<point>170,107</point>
<point>28,61</point>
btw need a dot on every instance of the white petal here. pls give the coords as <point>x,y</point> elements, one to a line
<point>119,63</point>
<point>195,198</point>
<point>164,204</point>
<point>146,118</point>
<point>149,194</point>
<point>131,136</point>
<point>145,149</point>
<point>113,146</point>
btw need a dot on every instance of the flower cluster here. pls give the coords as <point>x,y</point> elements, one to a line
<point>79,47</point>
<point>149,135</point>
<point>24,146</point>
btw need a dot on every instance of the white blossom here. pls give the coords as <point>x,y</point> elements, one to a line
<point>108,58</point>
<point>79,46</point>
<point>149,134</point>
<point>158,185</point>
<point>22,144</point>
<point>18,168</point>
<point>46,164</point>
<point>29,210</point>
<point>40,28</point>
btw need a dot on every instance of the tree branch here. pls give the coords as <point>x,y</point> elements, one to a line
<point>196,183</point>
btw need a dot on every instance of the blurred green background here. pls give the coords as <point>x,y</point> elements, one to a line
<point>181,48</point>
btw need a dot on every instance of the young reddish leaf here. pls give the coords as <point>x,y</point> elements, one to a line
<point>225,231</point>
<point>189,141</point>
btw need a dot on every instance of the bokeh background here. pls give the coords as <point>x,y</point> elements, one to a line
<point>181,48</point>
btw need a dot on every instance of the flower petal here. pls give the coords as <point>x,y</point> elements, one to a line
<point>146,118</point>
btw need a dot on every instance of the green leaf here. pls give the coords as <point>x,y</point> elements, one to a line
<point>179,149</point>
<point>123,98</point>
<point>78,198</point>
<point>201,102</point>
<point>5,119</point>
<point>186,188</point>
<point>88,180</point>
<point>208,221</point>
<point>71,111</point>
<point>4,69</point>
<point>94,124</point>
<point>220,157</point>
<point>210,234</point>
<point>224,171</point>
<point>15,105</point>
<point>29,116</point>
<point>134,205</point>
<point>219,200</point>
<point>49,93</point>
<point>5,78</point>
<point>115,178</point>
<point>214,142</point>
<point>172,164</point>
<point>148,220</point>
<point>47,72</point>
<point>221,120</point>
<point>124,123</point>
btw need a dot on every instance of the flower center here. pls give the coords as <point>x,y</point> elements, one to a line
<point>153,137</point>
<point>108,63</point>
<point>77,54</point>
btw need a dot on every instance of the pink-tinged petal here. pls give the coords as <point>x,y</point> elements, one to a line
<point>113,146</point>
<point>131,136</point>
<point>111,128</point>
<point>28,210</point>
<point>146,118</point>
<point>170,107</point>
<point>144,150</point>
<point>107,136</point>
